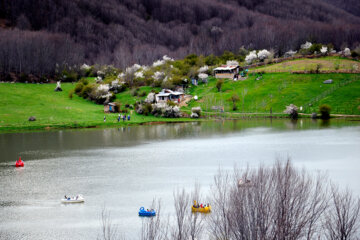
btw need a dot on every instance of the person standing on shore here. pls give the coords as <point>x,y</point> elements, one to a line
<point>104,118</point>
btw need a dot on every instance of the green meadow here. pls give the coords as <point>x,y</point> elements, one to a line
<point>53,109</point>
<point>277,90</point>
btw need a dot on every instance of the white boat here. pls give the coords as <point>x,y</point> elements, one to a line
<point>77,199</point>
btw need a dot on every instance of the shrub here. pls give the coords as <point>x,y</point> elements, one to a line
<point>147,109</point>
<point>219,84</point>
<point>79,87</point>
<point>292,110</point>
<point>325,111</point>
<point>135,92</point>
<point>87,90</point>
<point>23,78</point>
<point>170,103</point>
<point>142,94</point>
<point>318,67</point>
<point>71,93</point>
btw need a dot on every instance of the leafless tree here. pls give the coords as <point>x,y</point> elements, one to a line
<point>220,222</point>
<point>181,200</point>
<point>195,220</point>
<point>154,228</point>
<point>109,231</point>
<point>269,203</point>
<point>342,218</point>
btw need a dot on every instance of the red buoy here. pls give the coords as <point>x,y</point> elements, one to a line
<point>19,163</point>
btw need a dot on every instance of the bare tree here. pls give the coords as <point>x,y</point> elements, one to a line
<point>342,219</point>
<point>154,228</point>
<point>109,231</point>
<point>220,216</point>
<point>181,201</point>
<point>195,220</point>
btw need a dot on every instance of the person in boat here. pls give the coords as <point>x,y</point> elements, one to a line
<point>65,197</point>
<point>201,205</point>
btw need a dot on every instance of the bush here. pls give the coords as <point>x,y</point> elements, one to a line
<point>23,78</point>
<point>135,92</point>
<point>219,84</point>
<point>147,109</point>
<point>142,94</point>
<point>86,91</point>
<point>170,103</point>
<point>79,87</point>
<point>325,111</point>
<point>71,93</point>
<point>292,110</point>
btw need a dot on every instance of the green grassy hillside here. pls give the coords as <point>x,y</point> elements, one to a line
<point>303,64</point>
<point>276,90</point>
<point>55,109</point>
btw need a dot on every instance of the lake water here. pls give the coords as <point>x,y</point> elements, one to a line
<point>123,169</point>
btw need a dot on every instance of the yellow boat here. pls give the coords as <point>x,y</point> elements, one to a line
<point>205,209</point>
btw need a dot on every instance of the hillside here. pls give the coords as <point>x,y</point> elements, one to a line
<point>123,32</point>
<point>257,95</point>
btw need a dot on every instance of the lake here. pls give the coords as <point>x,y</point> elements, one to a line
<point>123,169</point>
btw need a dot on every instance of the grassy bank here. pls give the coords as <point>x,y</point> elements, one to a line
<point>57,110</point>
<point>277,90</point>
<point>304,64</point>
<point>256,98</point>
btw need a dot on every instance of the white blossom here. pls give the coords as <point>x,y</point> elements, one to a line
<point>103,88</point>
<point>85,67</point>
<point>347,52</point>
<point>323,49</point>
<point>203,76</point>
<point>203,69</point>
<point>158,63</point>
<point>132,69</point>
<point>166,58</point>
<point>158,75</point>
<point>263,54</point>
<point>290,53</point>
<point>251,57</point>
<point>100,73</point>
<point>232,63</point>
<point>306,45</point>
<point>139,74</point>
<point>121,75</point>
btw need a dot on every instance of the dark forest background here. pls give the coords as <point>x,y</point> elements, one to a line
<point>37,35</point>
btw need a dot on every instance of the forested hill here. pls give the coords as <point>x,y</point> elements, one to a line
<point>122,32</point>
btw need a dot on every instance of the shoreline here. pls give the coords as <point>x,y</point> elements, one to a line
<point>209,116</point>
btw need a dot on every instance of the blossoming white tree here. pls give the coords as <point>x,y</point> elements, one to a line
<point>203,69</point>
<point>252,56</point>
<point>232,63</point>
<point>263,54</point>
<point>323,49</point>
<point>306,45</point>
<point>347,52</point>
<point>290,53</point>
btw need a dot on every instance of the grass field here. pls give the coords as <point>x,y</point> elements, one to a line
<point>326,63</point>
<point>55,109</point>
<point>277,90</point>
<point>273,91</point>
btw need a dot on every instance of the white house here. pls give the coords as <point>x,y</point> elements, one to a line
<point>168,95</point>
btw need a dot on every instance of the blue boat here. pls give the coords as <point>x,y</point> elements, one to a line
<point>146,213</point>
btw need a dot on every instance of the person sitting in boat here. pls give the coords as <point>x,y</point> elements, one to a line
<point>201,205</point>
<point>65,197</point>
<point>195,205</point>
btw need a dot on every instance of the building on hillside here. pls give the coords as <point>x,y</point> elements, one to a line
<point>227,71</point>
<point>109,107</point>
<point>168,95</point>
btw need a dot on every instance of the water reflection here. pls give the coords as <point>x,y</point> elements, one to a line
<point>127,167</point>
